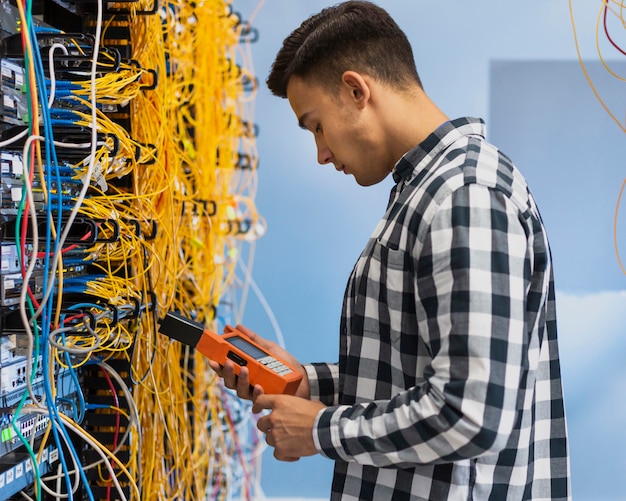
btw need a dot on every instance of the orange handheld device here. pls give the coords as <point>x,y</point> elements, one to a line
<point>274,375</point>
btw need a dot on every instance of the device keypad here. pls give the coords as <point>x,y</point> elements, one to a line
<point>277,366</point>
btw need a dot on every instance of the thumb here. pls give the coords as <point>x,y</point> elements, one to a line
<point>262,401</point>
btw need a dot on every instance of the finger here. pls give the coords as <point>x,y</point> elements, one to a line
<point>248,332</point>
<point>263,424</point>
<point>257,392</point>
<point>217,368</point>
<point>263,401</point>
<point>261,341</point>
<point>287,459</point>
<point>269,439</point>
<point>229,375</point>
<point>244,389</point>
<point>264,343</point>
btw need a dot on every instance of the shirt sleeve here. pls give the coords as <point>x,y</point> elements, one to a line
<point>323,382</point>
<point>472,273</point>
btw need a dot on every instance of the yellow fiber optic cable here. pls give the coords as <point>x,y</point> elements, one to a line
<point>582,65</point>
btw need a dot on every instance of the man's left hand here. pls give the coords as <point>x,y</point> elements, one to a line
<point>289,426</point>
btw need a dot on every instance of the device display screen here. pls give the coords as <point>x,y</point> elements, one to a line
<point>246,347</point>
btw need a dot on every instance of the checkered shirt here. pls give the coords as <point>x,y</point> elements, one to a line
<point>448,385</point>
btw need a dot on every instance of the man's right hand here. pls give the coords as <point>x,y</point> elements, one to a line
<point>241,382</point>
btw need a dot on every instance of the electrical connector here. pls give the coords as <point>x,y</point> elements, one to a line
<point>181,328</point>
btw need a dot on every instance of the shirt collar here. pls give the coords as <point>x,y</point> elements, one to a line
<point>420,157</point>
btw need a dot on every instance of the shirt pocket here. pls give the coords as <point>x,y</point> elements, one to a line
<point>384,294</point>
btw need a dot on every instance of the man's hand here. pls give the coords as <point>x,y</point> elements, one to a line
<point>241,382</point>
<point>289,426</point>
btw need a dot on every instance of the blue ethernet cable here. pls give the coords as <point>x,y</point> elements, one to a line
<point>47,311</point>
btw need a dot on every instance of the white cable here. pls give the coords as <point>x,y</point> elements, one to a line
<point>26,496</point>
<point>53,79</point>
<point>58,494</point>
<point>13,139</point>
<point>87,438</point>
<point>265,304</point>
<point>59,479</point>
<point>74,351</point>
<point>26,279</point>
<point>92,158</point>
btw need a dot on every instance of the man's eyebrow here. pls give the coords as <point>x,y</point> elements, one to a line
<point>302,119</point>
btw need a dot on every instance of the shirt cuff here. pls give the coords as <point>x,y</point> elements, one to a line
<point>327,433</point>
<point>323,382</point>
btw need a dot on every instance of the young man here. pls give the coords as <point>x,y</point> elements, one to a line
<point>448,384</point>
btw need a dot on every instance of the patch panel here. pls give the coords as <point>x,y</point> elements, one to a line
<point>72,142</point>
<point>8,401</point>
<point>16,470</point>
<point>11,194</point>
<point>13,109</point>
<point>28,425</point>
<point>10,257</point>
<point>12,73</point>
<point>12,191</point>
<point>11,287</point>
<point>11,164</point>
<point>8,350</point>
<point>13,376</point>
<point>84,230</point>
<point>12,178</point>
<point>9,260</point>
<point>33,425</point>
<point>11,284</point>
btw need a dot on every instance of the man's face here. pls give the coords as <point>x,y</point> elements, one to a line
<point>344,129</point>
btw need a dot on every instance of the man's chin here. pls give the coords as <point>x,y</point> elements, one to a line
<point>367,182</point>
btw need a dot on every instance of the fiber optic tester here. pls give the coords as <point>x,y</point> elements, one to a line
<point>274,375</point>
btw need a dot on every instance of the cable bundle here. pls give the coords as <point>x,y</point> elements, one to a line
<point>201,198</point>
<point>137,178</point>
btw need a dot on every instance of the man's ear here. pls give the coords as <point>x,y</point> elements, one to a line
<point>358,87</point>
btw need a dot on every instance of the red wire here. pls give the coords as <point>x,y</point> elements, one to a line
<point>23,232</point>
<point>226,407</point>
<point>73,317</point>
<point>117,423</point>
<point>34,116</point>
<point>606,30</point>
<point>68,248</point>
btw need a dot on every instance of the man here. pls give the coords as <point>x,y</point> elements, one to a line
<point>448,384</point>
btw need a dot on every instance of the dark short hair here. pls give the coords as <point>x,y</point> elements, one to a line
<point>354,35</point>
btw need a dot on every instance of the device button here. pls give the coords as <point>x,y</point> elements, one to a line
<point>236,358</point>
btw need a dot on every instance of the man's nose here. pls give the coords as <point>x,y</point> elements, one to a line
<point>324,155</point>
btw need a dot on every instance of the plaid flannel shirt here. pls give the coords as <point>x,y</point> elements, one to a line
<point>448,384</point>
